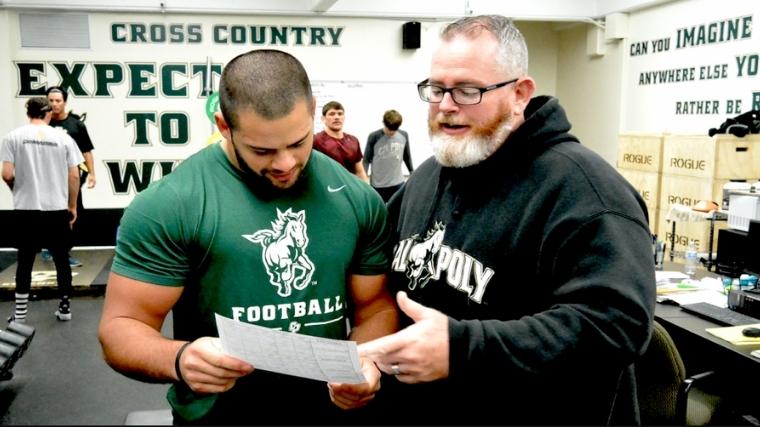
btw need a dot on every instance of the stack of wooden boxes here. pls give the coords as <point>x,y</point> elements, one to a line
<point>672,169</point>
<point>640,162</point>
<point>696,167</point>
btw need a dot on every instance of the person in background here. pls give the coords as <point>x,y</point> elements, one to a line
<point>39,164</point>
<point>523,260</point>
<point>342,147</point>
<point>384,153</point>
<point>75,127</point>
<point>246,229</point>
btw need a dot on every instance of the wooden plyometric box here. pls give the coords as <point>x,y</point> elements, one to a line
<point>688,190</point>
<point>719,157</point>
<point>654,219</point>
<point>640,151</point>
<point>647,184</point>
<point>687,230</point>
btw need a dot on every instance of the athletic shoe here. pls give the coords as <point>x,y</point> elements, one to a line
<point>46,255</point>
<point>12,318</point>
<point>64,311</point>
<point>74,262</point>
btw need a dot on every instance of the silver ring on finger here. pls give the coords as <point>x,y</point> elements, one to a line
<point>395,369</point>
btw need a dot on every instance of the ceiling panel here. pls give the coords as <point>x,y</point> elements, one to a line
<point>538,10</point>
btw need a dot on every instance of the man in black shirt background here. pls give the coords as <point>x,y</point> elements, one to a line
<point>75,127</point>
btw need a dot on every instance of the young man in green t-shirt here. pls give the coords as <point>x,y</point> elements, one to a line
<point>261,229</point>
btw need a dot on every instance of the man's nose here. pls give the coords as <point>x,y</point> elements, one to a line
<point>447,104</point>
<point>283,161</point>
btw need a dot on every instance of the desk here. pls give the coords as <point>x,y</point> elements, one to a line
<point>688,329</point>
<point>738,371</point>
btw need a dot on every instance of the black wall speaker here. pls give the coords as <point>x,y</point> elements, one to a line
<point>411,35</point>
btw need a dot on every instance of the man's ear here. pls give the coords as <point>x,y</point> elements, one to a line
<point>524,89</point>
<point>313,106</point>
<point>221,124</point>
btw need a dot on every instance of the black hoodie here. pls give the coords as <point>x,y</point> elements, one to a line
<point>542,258</point>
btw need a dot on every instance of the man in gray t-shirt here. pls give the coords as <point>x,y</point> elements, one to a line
<point>40,165</point>
<point>385,150</point>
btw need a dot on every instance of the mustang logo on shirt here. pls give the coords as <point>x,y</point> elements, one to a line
<point>421,266</point>
<point>284,253</point>
<point>424,259</point>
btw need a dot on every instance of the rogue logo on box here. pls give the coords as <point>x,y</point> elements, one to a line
<point>639,159</point>
<point>681,163</point>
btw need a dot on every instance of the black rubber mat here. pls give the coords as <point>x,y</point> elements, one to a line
<point>91,277</point>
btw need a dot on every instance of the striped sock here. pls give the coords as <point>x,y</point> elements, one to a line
<point>22,307</point>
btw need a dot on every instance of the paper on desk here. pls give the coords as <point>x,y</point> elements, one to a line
<point>702,295</point>
<point>733,334</point>
<point>688,291</point>
<point>289,353</point>
<point>665,275</point>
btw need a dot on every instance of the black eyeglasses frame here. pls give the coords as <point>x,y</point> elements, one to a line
<point>426,83</point>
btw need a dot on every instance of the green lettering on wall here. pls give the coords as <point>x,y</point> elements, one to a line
<point>157,33</point>
<point>202,69</point>
<point>258,34</point>
<point>118,31</point>
<point>167,80</point>
<point>715,32</point>
<point>70,78</point>
<point>168,166</point>
<point>218,36</point>
<point>136,175</point>
<point>238,34</point>
<point>317,36</point>
<point>141,120</point>
<point>139,83</point>
<point>29,78</point>
<point>298,31</point>
<point>335,35</point>
<point>174,128</point>
<point>279,35</point>
<point>106,75</point>
<point>138,33</point>
<point>194,33</point>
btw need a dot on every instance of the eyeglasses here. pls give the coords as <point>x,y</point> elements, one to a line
<point>461,95</point>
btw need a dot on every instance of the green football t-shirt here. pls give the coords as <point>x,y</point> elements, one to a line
<point>274,258</point>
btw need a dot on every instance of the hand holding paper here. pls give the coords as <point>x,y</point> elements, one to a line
<point>206,369</point>
<point>349,396</point>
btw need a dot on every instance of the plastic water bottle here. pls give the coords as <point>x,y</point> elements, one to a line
<point>691,256</point>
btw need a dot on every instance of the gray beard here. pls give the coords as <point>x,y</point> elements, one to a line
<point>461,152</point>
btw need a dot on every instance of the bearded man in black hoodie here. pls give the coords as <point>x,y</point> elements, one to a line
<point>523,260</point>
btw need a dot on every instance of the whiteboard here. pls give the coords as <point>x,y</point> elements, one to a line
<point>365,103</point>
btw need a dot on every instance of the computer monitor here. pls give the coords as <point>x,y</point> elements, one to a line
<point>753,245</point>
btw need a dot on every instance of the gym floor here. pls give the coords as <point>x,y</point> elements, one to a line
<point>62,379</point>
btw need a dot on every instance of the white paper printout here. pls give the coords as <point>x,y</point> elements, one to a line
<point>289,353</point>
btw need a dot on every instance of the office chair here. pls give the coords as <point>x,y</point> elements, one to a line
<point>666,395</point>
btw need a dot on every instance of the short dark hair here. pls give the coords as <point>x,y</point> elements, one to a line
<point>37,107</point>
<point>268,81</point>
<point>392,120</point>
<point>332,105</point>
<point>60,90</point>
